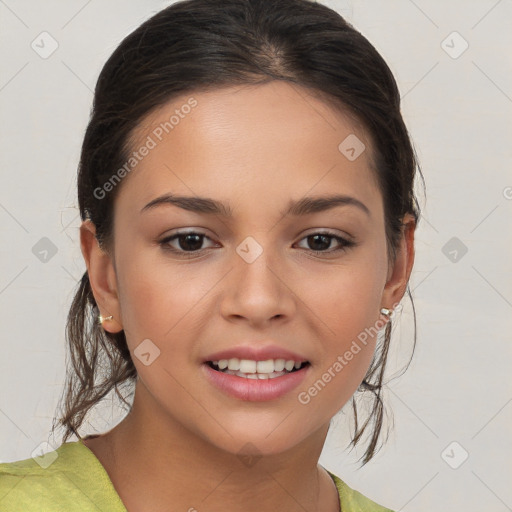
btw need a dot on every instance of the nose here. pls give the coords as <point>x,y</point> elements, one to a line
<point>258,291</point>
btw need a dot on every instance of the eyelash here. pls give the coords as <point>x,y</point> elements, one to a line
<point>344,243</point>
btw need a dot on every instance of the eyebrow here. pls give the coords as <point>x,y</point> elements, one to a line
<point>304,206</point>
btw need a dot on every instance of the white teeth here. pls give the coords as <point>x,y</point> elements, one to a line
<point>265,366</point>
<point>289,365</point>
<point>234,364</point>
<point>256,369</point>
<point>247,366</point>
<point>255,376</point>
<point>279,365</point>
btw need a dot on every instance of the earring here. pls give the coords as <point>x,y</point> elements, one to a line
<point>387,312</point>
<point>102,318</point>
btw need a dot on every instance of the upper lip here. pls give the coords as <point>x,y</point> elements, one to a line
<point>256,353</point>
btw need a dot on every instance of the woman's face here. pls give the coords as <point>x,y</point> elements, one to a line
<point>249,280</point>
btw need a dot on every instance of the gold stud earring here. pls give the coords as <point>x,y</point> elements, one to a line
<point>102,318</point>
<point>387,312</point>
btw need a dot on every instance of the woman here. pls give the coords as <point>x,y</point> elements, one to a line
<point>248,216</point>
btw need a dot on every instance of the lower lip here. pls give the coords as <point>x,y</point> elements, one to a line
<point>255,390</point>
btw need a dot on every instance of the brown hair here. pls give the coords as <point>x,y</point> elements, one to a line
<point>195,45</point>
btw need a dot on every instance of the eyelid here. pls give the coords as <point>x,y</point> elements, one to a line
<point>345,242</point>
<point>330,232</point>
<point>173,236</point>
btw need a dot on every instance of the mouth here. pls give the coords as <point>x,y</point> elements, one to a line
<point>257,381</point>
<point>257,370</point>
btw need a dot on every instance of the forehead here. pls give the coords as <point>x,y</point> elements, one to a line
<point>264,142</point>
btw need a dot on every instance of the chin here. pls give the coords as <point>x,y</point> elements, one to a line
<point>264,439</point>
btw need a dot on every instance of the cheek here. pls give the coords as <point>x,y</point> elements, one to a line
<point>156,296</point>
<point>334,384</point>
<point>347,315</point>
<point>347,297</point>
<point>349,346</point>
<point>165,305</point>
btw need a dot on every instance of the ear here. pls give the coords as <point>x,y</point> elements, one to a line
<point>400,270</point>
<point>102,277</point>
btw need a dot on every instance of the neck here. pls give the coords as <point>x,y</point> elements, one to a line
<point>154,462</point>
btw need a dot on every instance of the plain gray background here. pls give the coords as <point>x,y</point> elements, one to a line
<point>457,104</point>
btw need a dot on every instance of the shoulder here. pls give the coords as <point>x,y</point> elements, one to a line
<point>353,501</point>
<point>69,479</point>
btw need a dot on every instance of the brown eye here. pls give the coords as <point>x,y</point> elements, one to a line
<point>190,242</point>
<point>321,242</point>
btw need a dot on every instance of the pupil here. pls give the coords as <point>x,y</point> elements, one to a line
<point>324,237</point>
<point>195,247</point>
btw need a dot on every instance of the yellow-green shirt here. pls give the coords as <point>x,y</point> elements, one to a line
<point>71,479</point>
